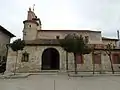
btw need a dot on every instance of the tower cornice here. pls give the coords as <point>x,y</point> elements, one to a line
<point>31,21</point>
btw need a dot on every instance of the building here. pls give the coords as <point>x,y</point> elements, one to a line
<point>43,52</point>
<point>5,37</point>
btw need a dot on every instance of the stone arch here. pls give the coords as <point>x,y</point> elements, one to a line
<point>50,59</point>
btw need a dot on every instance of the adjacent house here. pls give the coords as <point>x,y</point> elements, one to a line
<point>5,37</point>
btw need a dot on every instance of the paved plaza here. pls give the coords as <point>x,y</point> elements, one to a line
<point>62,82</point>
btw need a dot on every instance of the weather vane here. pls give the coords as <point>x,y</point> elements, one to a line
<point>33,7</point>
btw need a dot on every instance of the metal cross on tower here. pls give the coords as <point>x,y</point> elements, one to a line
<point>33,7</point>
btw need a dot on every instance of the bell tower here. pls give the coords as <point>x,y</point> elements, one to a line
<point>31,26</point>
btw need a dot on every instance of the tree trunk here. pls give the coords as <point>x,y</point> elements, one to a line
<point>93,63</point>
<point>75,63</point>
<point>111,64</point>
<point>16,62</point>
<point>66,60</point>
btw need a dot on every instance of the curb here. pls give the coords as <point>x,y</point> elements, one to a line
<point>26,75</point>
<point>11,76</point>
<point>95,75</point>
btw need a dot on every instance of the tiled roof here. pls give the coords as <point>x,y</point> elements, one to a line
<point>42,42</point>
<point>51,41</point>
<point>68,31</point>
<point>6,31</point>
<point>105,38</point>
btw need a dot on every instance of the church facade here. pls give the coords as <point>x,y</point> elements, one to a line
<point>43,52</point>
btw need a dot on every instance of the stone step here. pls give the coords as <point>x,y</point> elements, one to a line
<point>44,72</point>
<point>49,71</point>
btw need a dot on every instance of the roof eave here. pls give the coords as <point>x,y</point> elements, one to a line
<point>105,38</point>
<point>6,32</point>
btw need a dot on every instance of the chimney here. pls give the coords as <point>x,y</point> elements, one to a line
<point>118,43</point>
<point>118,35</point>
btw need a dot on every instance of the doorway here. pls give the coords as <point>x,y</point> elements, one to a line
<point>50,59</point>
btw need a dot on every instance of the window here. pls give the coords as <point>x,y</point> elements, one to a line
<point>29,25</point>
<point>25,57</point>
<point>116,58</point>
<point>57,37</point>
<point>79,59</point>
<point>96,58</point>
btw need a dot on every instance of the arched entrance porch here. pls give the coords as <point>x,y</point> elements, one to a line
<point>50,59</point>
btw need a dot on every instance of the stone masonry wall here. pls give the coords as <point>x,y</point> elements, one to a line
<point>34,63</point>
<point>35,58</point>
<point>94,37</point>
<point>4,39</point>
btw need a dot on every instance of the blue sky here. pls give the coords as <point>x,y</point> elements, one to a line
<point>101,15</point>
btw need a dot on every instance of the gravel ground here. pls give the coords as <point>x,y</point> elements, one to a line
<point>62,82</point>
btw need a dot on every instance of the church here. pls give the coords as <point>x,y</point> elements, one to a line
<point>44,53</point>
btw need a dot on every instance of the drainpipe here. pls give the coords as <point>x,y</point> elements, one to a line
<point>118,35</point>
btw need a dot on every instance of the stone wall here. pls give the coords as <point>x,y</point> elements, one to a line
<point>4,39</point>
<point>30,31</point>
<point>35,56</point>
<point>35,61</point>
<point>86,66</point>
<point>94,37</point>
<point>106,63</point>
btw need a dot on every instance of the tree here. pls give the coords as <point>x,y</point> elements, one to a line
<point>16,46</point>
<point>75,44</point>
<point>93,60</point>
<point>108,50</point>
<point>66,60</point>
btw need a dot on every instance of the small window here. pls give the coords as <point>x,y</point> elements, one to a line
<point>115,58</point>
<point>79,59</point>
<point>25,57</point>
<point>57,37</point>
<point>96,58</point>
<point>29,25</point>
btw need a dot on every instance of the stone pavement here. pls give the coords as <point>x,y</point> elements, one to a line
<point>61,82</point>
